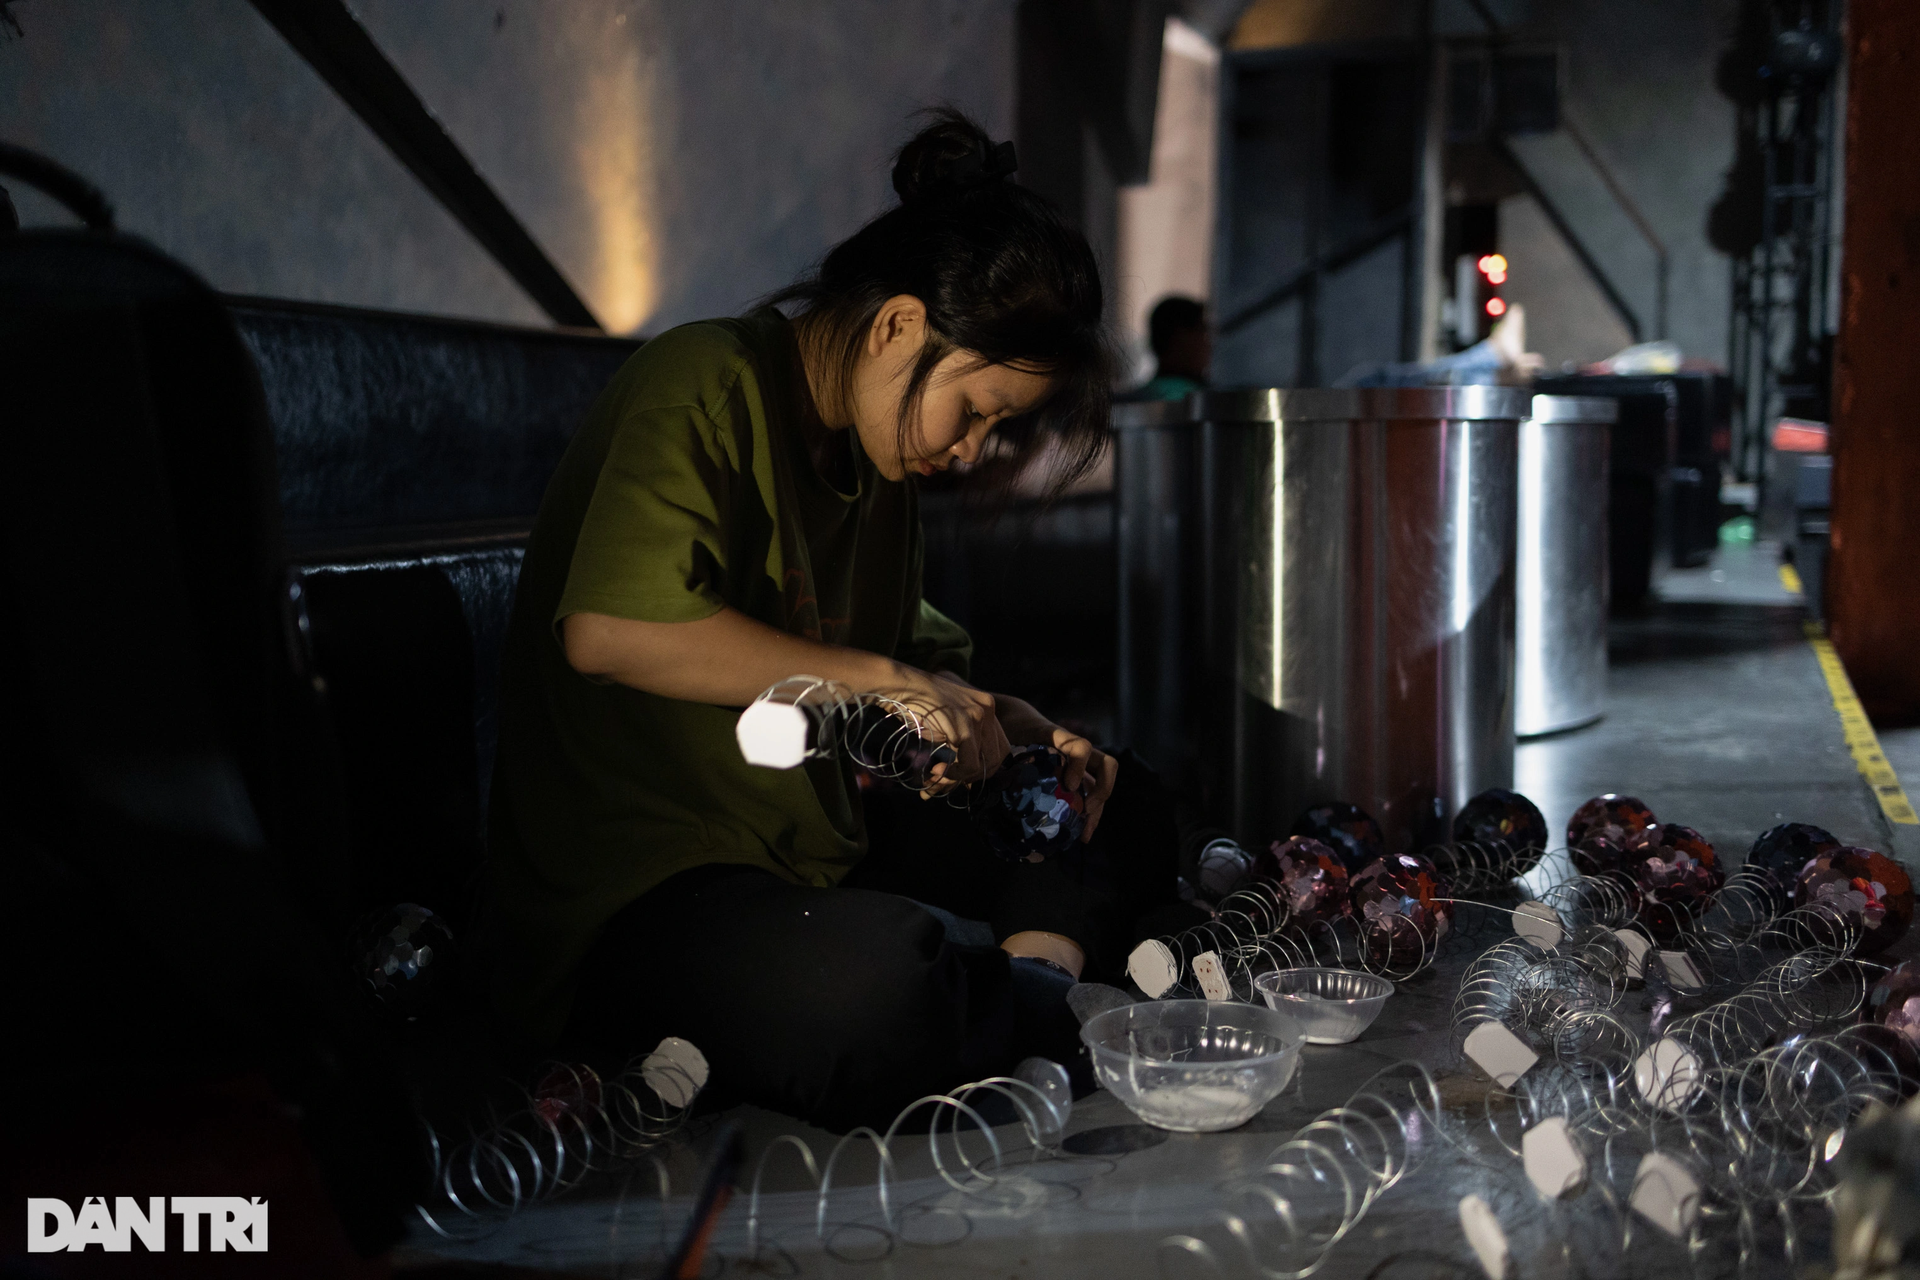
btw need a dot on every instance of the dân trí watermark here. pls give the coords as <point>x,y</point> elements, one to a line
<point>230,1222</point>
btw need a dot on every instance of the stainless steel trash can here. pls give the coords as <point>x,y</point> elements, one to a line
<point>1560,661</point>
<point>1157,543</point>
<point>1359,593</point>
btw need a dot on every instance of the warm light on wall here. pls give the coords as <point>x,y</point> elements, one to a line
<point>613,152</point>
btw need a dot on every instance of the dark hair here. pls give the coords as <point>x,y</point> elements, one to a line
<point>1172,317</point>
<point>1001,275</point>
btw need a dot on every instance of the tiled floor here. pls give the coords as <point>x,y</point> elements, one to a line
<point>1718,719</point>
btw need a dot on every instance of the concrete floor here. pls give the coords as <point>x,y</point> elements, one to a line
<point>1718,718</point>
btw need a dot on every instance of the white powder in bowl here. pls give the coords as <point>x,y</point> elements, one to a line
<point>1197,1108</point>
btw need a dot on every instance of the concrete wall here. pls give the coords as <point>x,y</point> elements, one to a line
<point>1569,321</point>
<point>1639,83</point>
<point>676,158</point>
<point>1166,223</point>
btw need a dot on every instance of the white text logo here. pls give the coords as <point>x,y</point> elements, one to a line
<point>232,1222</point>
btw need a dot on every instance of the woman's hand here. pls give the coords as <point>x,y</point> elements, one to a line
<point>1024,725</point>
<point>959,715</point>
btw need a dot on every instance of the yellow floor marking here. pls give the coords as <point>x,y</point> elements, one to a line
<point>1790,579</point>
<point>1862,742</point>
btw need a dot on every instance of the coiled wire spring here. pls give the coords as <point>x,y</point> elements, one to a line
<point>891,739</point>
<point>573,1124</point>
<point>1314,1188</point>
<point>1753,1093</point>
<point>1040,1097</point>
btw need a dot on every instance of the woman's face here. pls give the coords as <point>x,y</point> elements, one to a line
<point>963,400</point>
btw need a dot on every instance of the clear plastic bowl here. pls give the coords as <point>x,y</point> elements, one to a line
<point>1332,1006</point>
<point>1194,1066</point>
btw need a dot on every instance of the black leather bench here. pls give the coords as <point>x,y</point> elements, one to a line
<point>413,453</point>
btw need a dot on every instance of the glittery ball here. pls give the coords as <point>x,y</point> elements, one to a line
<point>1618,818</point>
<point>400,955</point>
<point>1309,878</point>
<point>1869,893</point>
<point>1891,1057</point>
<point>1348,830</point>
<point>1501,820</point>
<point>1399,903</point>
<point>1894,1001</point>
<point>1025,811</point>
<point>1783,852</point>
<point>1600,855</point>
<point>1675,870</point>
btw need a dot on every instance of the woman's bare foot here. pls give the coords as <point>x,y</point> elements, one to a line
<point>1032,943</point>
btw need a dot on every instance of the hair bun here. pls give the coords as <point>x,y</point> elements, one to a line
<point>952,153</point>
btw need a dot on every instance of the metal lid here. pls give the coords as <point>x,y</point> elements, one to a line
<point>1145,415</point>
<point>1585,409</point>
<point>1368,404</point>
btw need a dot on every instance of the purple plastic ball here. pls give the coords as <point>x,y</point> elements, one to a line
<point>1676,872</point>
<point>1618,818</point>
<point>1025,811</point>
<point>1401,904</point>
<point>1348,830</point>
<point>1783,852</point>
<point>1498,819</point>
<point>1870,894</point>
<point>1894,1001</point>
<point>400,956</point>
<point>1307,877</point>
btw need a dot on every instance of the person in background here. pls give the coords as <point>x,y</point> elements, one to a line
<point>1182,349</point>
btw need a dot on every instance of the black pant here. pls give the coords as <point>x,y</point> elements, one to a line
<point>843,1005</point>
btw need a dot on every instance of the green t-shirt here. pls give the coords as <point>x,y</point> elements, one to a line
<point>689,487</point>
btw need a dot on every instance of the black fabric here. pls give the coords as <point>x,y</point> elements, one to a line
<point>843,1005</point>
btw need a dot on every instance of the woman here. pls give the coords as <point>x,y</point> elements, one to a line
<point>739,508</point>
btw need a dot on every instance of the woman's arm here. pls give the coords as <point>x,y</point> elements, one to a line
<point>730,659</point>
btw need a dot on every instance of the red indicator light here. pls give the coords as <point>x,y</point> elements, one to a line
<point>1492,263</point>
<point>1495,307</point>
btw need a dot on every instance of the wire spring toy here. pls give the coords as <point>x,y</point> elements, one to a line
<point>574,1124</point>
<point>1759,1134</point>
<point>1254,929</point>
<point>1041,1099</point>
<point>811,718</point>
<point>1025,809</point>
<point>1740,930</point>
<point>1489,869</point>
<point>1563,1003</point>
<point>1752,1093</point>
<point>1315,1188</point>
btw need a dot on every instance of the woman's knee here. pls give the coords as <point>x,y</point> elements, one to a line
<point>864,1009</point>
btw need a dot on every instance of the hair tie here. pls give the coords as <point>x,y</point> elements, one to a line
<point>976,168</point>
